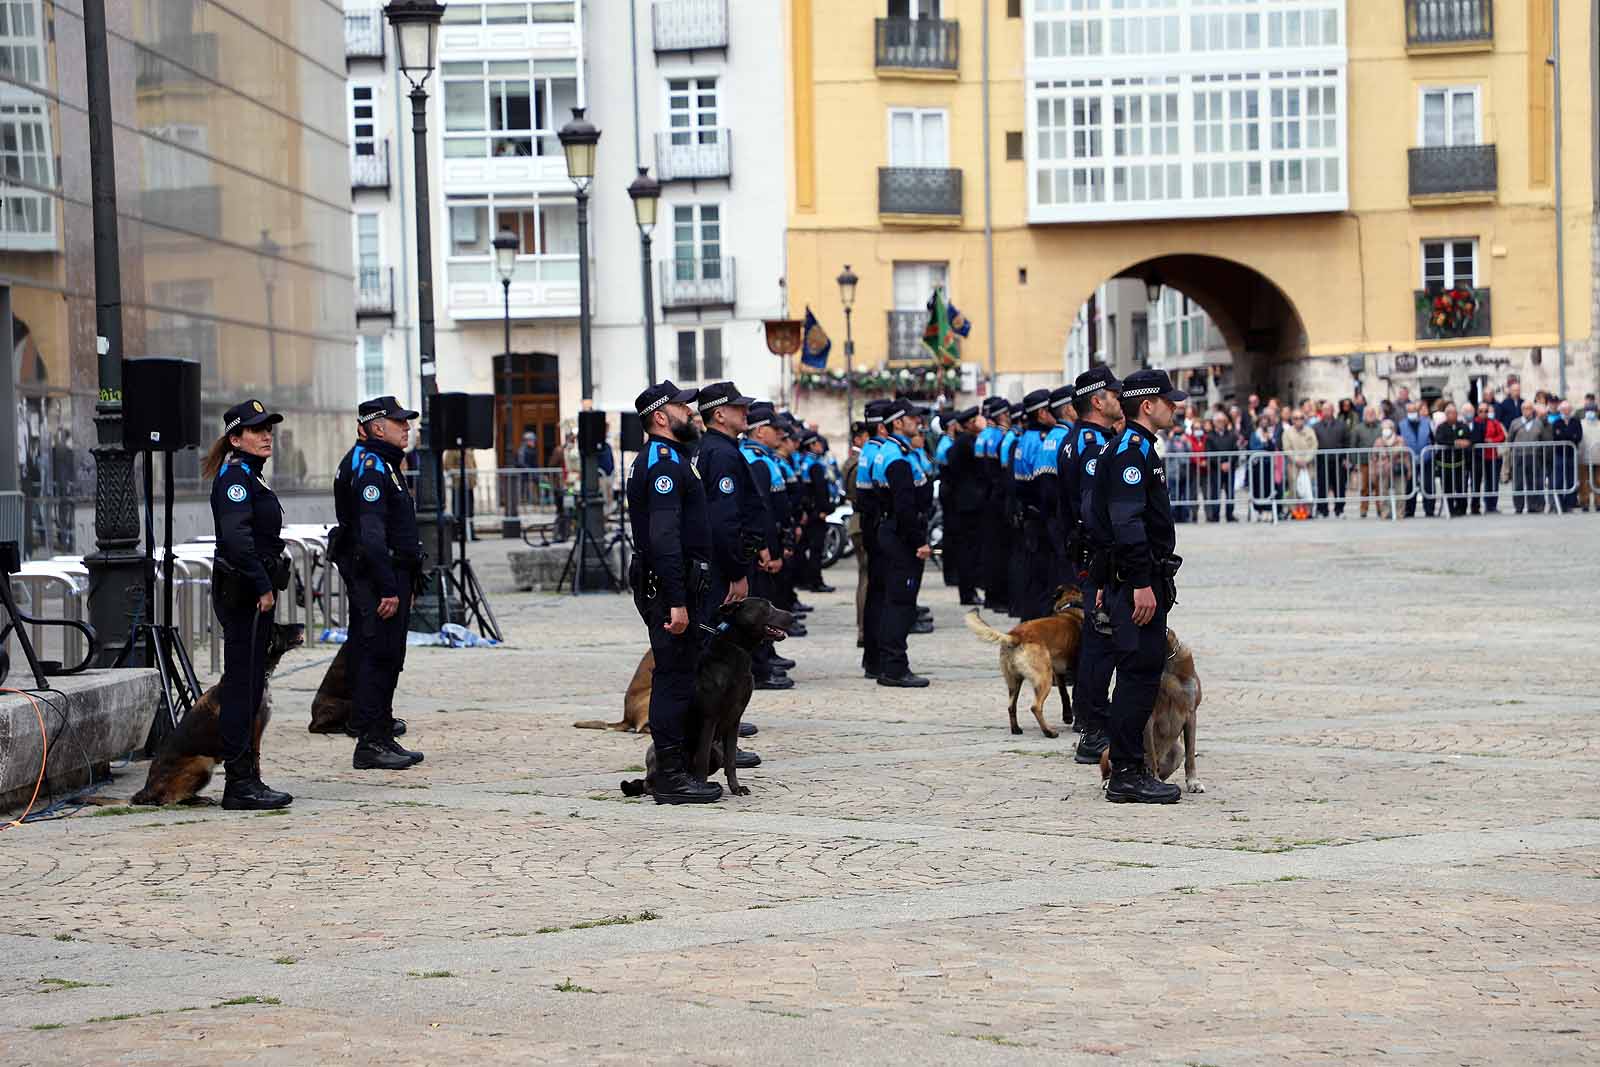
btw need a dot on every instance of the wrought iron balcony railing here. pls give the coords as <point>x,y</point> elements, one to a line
<point>1456,170</point>
<point>697,283</point>
<point>1445,22</point>
<point>905,335</point>
<point>919,191</point>
<point>363,34</point>
<point>918,44</point>
<point>370,170</point>
<point>1443,314</point>
<point>690,25</point>
<point>374,291</point>
<point>704,154</point>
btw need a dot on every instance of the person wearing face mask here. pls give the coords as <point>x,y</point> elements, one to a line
<point>670,576</point>
<point>1589,460</point>
<point>1564,468</point>
<point>1490,434</point>
<point>1528,430</point>
<point>1391,469</point>
<point>1416,431</point>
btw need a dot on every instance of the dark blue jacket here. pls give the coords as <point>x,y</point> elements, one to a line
<point>248,519</point>
<point>668,508</point>
<point>372,503</point>
<point>734,505</point>
<point>1132,513</point>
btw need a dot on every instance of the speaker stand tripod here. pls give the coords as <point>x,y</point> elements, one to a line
<point>164,648</point>
<point>460,576</point>
<point>584,544</point>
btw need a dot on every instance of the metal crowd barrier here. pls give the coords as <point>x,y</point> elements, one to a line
<point>68,581</point>
<point>1381,478</point>
<point>1535,476</point>
<point>1209,485</point>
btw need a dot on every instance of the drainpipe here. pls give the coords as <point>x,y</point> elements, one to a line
<point>988,201</point>
<point>633,44</point>
<point>1561,253</point>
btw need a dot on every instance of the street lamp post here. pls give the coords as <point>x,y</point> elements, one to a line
<point>578,141</point>
<point>506,245</point>
<point>267,253</point>
<point>847,296</point>
<point>416,30</point>
<point>646,194</point>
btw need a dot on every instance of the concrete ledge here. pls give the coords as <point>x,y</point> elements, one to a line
<point>539,569</point>
<point>108,714</point>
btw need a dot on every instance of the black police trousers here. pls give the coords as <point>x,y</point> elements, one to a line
<point>872,617</point>
<point>814,542</point>
<point>672,687</point>
<point>245,632</point>
<point>377,655</point>
<point>1038,595</point>
<point>965,551</point>
<point>996,558</point>
<point>1097,660</point>
<point>765,586</point>
<point>901,577</point>
<point>1141,654</point>
<point>1019,562</point>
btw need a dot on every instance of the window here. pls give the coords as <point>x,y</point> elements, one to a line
<point>697,241</point>
<point>363,120</point>
<point>510,14</point>
<point>687,371</point>
<point>711,365</point>
<point>1013,144</point>
<point>368,257</point>
<point>176,160</point>
<point>1449,117</point>
<point>914,284</point>
<point>1451,263</point>
<point>709,344</point>
<point>692,110</point>
<point>21,54</point>
<point>918,138</point>
<point>369,359</point>
<point>546,228</point>
<point>26,159</point>
<point>506,107</point>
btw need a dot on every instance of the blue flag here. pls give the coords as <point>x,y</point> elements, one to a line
<point>814,352</point>
<point>959,323</point>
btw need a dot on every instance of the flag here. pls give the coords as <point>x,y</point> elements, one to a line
<point>945,326</point>
<point>814,350</point>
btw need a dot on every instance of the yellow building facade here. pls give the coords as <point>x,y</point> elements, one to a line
<point>1315,174</point>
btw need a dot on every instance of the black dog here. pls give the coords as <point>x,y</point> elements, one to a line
<point>722,690</point>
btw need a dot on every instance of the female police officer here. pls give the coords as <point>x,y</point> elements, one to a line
<point>249,567</point>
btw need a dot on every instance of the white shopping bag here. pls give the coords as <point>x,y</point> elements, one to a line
<point>1302,485</point>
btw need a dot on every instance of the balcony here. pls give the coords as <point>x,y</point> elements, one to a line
<point>690,25</point>
<point>363,34</point>
<point>542,287</point>
<point>1449,24</point>
<point>694,284</point>
<point>928,47</point>
<point>699,159</point>
<point>370,171</point>
<point>374,292</point>
<point>905,335</point>
<point>177,61</point>
<point>931,193</point>
<point>547,29</point>
<point>1462,171</point>
<point>1453,319</point>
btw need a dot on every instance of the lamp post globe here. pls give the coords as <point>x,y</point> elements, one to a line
<point>645,192</point>
<point>506,245</point>
<point>416,36</point>
<point>646,195</point>
<point>578,140</point>
<point>847,287</point>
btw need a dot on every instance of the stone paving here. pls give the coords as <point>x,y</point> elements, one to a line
<point>1397,856</point>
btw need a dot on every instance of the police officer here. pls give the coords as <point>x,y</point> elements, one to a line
<point>996,527</point>
<point>1050,478</point>
<point>1035,464</point>
<point>379,555</point>
<point>947,426</point>
<point>868,510</point>
<point>670,576</point>
<point>249,570</point>
<point>1133,516</point>
<point>961,494</point>
<point>902,543</point>
<point>762,437</point>
<point>817,499</point>
<point>1097,403</point>
<point>733,506</point>
<point>1015,570</point>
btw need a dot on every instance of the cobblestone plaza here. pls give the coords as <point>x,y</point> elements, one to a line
<point>1396,856</point>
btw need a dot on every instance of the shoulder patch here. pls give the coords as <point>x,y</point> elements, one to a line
<point>370,494</point>
<point>726,484</point>
<point>664,484</point>
<point>1132,475</point>
<point>237,493</point>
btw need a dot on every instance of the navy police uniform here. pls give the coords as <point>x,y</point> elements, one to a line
<point>733,505</point>
<point>772,490</point>
<point>869,511</point>
<point>961,495</point>
<point>1015,571</point>
<point>995,526</point>
<point>900,484</point>
<point>1132,516</point>
<point>249,564</point>
<point>379,555</point>
<point>1091,690</point>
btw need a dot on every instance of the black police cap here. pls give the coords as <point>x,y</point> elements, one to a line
<point>761,414</point>
<point>902,408</point>
<point>965,414</point>
<point>383,407</point>
<point>1095,379</point>
<point>875,410</point>
<point>721,394</point>
<point>660,395</point>
<point>1143,384</point>
<point>995,405</point>
<point>1061,396</point>
<point>250,413</point>
<point>1037,400</point>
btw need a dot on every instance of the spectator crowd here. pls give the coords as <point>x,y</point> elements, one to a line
<point>1320,458</point>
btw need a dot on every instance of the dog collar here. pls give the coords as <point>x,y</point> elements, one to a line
<point>721,628</point>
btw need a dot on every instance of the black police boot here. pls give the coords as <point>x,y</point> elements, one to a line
<point>776,680</point>
<point>822,587</point>
<point>924,612</point>
<point>373,755</point>
<point>1090,745</point>
<point>748,729</point>
<point>675,785</point>
<point>394,746</point>
<point>797,629</point>
<point>802,608</point>
<point>783,663</point>
<point>245,791</point>
<point>904,681</point>
<point>743,760</point>
<point>399,728</point>
<point>1131,783</point>
<point>922,626</point>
